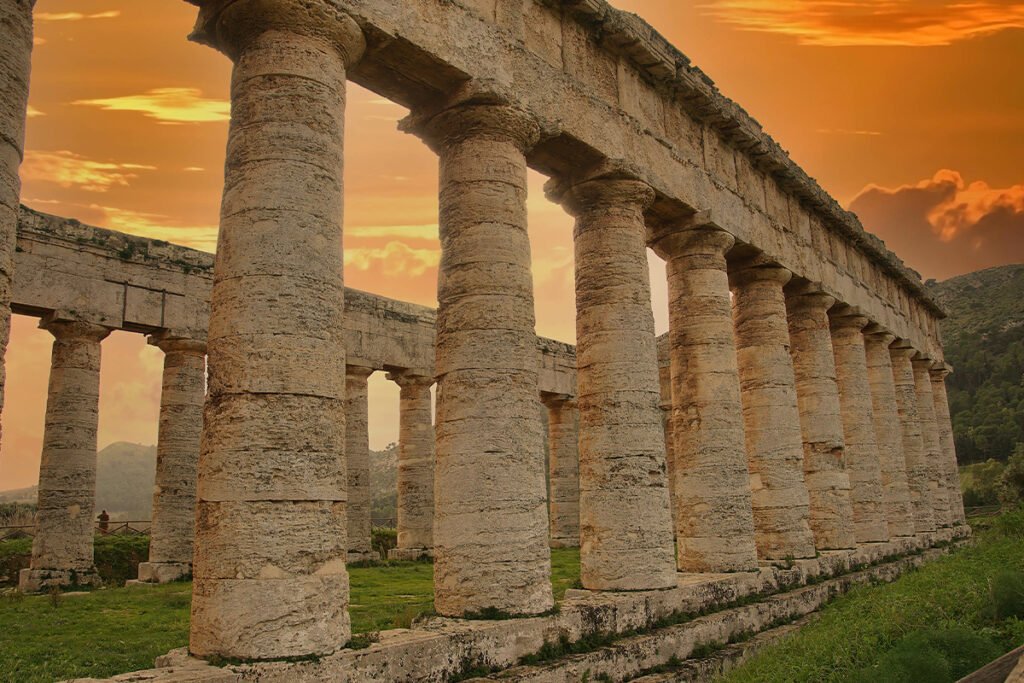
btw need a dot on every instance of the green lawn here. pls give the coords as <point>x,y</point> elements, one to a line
<point>936,624</point>
<point>112,631</point>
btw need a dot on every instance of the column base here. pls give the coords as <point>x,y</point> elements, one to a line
<point>355,557</point>
<point>163,572</point>
<point>410,554</point>
<point>42,580</point>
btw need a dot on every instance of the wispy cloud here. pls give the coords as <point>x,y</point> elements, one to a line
<point>168,105</point>
<point>68,169</point>
<point>418,232</point>
<point>75,16</point>
<point>158,226</point>
<point>32,112</point>
<point>914,23</point>
<point>394,259</point>
<point>847,131</point>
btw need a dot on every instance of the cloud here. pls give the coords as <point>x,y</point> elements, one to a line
<point>846,131</point>
<point>75,16</point>
<point>428,231</point>
<point>32,112</point>
<point>831,23</point>
<point>394,259</point>
<point>168,105</point>
<point>944,226</point>
<point>68,169</point>
<point>157,226</point>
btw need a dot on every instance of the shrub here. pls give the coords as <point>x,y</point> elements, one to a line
<point>1006,591</point>
<point>118,557</point>
<point>1011,482</point>
<point>384,539</point>
<point>980,483</point>
<point>1010,524</point>
<point>934,655</point>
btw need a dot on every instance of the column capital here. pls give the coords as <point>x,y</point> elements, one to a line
<point>698,235</point>
<point>406,379</point>
<point>901,348</point>
<point>169,343</point>
<point>844,316</point>
<point>557,400</point>
<point>940,371</point>
<point>481,115</point>
<point>358,372</point>
<point>877,333</point>
<point>229,26</point>
<point>604,193</point>
<point>808,298</point>
<point>74,329</point>
<point>758,269</point>
<point>922,361</point>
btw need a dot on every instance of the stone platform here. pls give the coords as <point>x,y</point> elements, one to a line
<point>42,580</point>
<point>703,609</point>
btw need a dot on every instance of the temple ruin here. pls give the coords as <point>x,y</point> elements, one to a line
<point>789,436</point>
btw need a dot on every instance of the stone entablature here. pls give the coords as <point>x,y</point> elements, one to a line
<point>143,285</point>
<point>605,86</point>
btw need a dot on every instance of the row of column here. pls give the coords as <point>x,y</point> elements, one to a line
<point>270,578</point>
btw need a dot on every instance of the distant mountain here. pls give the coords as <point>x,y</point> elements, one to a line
<point>384,485</point>
<point>984,342</point>
<point>124,482</point>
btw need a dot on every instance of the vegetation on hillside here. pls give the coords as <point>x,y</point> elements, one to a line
<point>993,482</point>
<point>936,624</point>
<point>984,342</point>
<point>384,485</point>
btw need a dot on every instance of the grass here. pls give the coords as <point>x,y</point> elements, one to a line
<point>106,632</point>
<point>937,623</point>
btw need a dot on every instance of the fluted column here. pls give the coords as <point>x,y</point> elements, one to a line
<point>862,458</point>
<point>713,515</point>
<point>271,529</point>
<point>913,444</point>
<point>771,417</point>
<point>951,481</point>
<point>15,65</point>
<point>415,468</point>
<point>899,511</point>
<point>177,456</point>
<point>490,516</point>
<point>933,455</point>
<point>625,518</point>
<point>563,470</point>
<point>62,549</point>
<point>357,457</point>
<point>821,422</point>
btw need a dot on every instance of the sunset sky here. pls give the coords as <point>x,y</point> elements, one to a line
<point>910,112</point>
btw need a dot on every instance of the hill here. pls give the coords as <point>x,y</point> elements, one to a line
<point>984,342</point>
<point>384,485</point>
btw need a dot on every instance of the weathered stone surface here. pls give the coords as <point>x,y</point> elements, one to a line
<point>913,442</point>
<point>490,522</point>
<point>934,458</point>
<point>270,578</point>
<point>711,484</point>
<point>62,549</point>
<point>415,467</point>
<point>899,511</point>
<point>177,454</point>
<point>357,461</point>
<point>625,518</point>
<point>563,470</point>
<point>826,461</point>
<point>770,414</point>
<point>951,471</point>
<point>862,457</point>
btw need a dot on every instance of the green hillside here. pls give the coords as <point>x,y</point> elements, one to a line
<point>984,341</point>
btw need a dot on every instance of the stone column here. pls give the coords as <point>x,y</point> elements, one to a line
<point>899,511</point>
<point>951,481</point>
<point>357,457</point>
<point>15,64</point>
<point>713,516</point>
<point>62,550</point>
<point>490,514</point>
<point>563,470</point>
<point>933,456</point>
<point>269,571</point>
<point>177,455</point>
<point>821,421</point>
<point>862,458</point>
<point>415,468</point>
<point>625,518</point>
<point>913,444</point>
<point>770,413</point>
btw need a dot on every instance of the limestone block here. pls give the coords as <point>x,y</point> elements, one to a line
<point>862,456</point>
<point>774,442</point>
<point>711,485</point>
<point>625,520</point>
<point>899,510</point>
<point>826,461</point>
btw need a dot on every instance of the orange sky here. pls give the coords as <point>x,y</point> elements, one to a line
<point>908,111</point>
